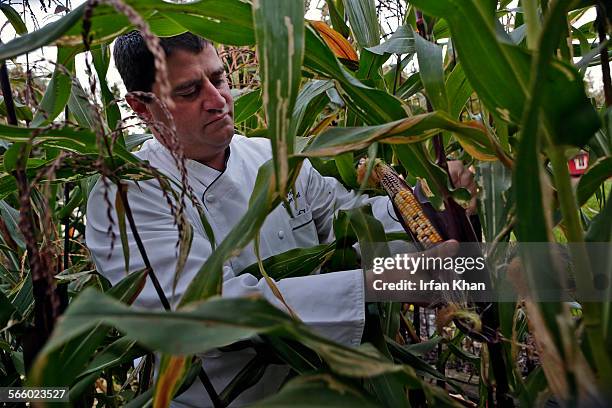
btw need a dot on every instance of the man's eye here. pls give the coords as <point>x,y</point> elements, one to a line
<point>188,93</point>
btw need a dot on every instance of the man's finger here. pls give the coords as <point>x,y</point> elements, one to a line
<point>467,181</point>
<point>446,248</point>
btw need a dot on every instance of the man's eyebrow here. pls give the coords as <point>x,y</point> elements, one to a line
<point>195,82</point>
<point>217,72</point>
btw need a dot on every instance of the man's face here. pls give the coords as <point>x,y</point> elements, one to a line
<point>203,106</point>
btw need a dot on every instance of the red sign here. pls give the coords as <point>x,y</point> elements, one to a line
<point>578,164</point>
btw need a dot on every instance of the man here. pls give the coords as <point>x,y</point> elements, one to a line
<point>221,170</point>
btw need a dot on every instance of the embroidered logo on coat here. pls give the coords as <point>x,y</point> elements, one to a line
<point>297,205</point>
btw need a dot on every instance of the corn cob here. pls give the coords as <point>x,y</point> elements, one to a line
<point>404,201</point>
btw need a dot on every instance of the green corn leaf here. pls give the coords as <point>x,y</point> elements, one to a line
<point>314,119</point>
<point>422,367</point>
<point>204,26</point>
<point>101,59</point>
<point>336,14</point>
<point>400,42</point>
<point>535,384</point>
<point>79,106</point>
<point>372,105</point>
<point>125,244</point>
<point>431,68</point>
<point>459,352</point>
<point>410,130</point>
<point>247,105</point>
<point>364,22</point>
<point>601,225</point>
<point>58,91</point>
<point>212,324</point>
<point>226,21</point>
<point>14,18</point>
<point>370,233</point>
<point>279,30</point>
<point>184,248</point>
<point>41,37</point>
<point>494,179</point>
<point>6,309</point>
<point>207,325</point>
<point>590,181</point>
<point>297,356</point>
<point>532,223</point>
<point>307,105</point>
<point>13,153</point>
<point>372,243</point>
<point>118,352</point>
<point>75,200</point>
<point>346,167</point>
<point>489,62</point>
<point>410,87</point>
<point>63,365</point>
<point>163,26</point>
<point>10,216</point>
<point>22,111</point>
<point>134,140</point>
<point>424,347</point>
<point>292,263</point>
<point>80,141</point>
<point>372,58</point>
<point>23,299</point>
<point>459,90</point>
<point>317,390</point>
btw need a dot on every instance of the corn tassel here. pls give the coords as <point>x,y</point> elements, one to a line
<point>414,219</point>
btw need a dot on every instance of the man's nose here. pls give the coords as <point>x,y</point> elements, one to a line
<point>213,100</point>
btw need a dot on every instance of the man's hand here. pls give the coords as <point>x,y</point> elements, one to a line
<point>462,177</point>
<point>397,274</point>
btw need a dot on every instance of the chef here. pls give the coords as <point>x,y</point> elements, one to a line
<point>221,169</point>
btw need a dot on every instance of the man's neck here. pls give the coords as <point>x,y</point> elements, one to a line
<point>218,162</point>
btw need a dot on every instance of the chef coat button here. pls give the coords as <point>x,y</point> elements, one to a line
<point>281,234</point>
<point>210,198</point>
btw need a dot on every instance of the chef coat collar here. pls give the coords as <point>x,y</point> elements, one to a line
<point>201,172</point>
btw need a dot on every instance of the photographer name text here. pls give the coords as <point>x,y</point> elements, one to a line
<point>428,285</point>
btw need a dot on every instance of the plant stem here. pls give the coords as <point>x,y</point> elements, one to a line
<point>11,116</point>
<point>530,11</point>
<point>565,194</point>
<point>583,273</point>
<point>128,212</point>
<point>46,304</point>
<point>397,77</point>
<point>605,64</point>
<point>66,222</point>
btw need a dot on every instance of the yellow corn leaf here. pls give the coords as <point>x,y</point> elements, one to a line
<point>323,124</point>
<point>335,41</point>
<point>172,370</point>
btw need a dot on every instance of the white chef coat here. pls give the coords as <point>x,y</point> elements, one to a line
<point>332,304</point>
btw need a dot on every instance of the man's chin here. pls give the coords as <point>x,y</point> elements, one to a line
<point>220,140</point>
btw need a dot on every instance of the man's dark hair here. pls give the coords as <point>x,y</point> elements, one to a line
<point>135,63</point>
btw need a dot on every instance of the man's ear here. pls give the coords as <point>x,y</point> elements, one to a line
<point>141,108</point>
